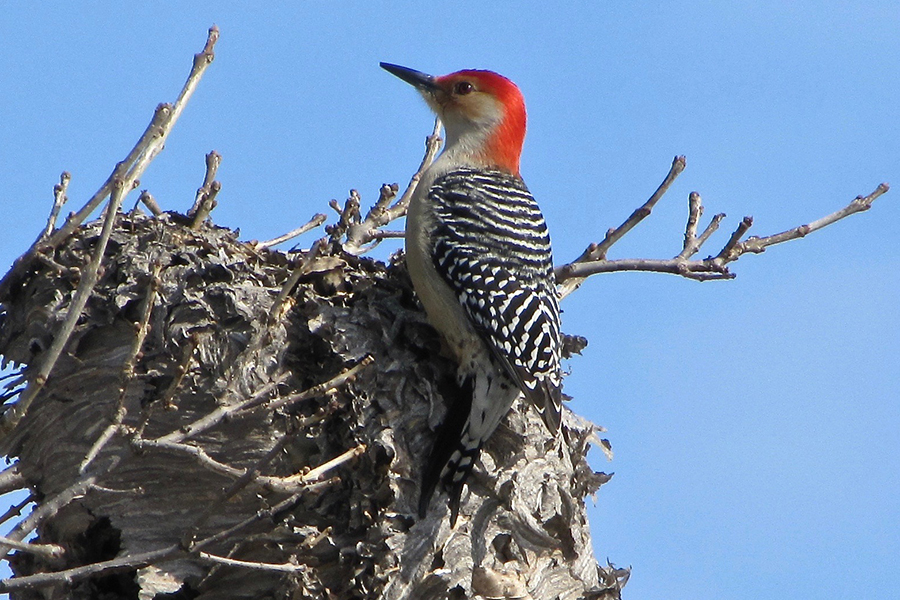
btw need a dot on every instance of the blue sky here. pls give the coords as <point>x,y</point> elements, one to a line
<point>753,421</point>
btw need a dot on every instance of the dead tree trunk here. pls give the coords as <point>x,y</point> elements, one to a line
<point>229,422</point>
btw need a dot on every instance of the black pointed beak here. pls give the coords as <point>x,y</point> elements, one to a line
<point>419,80</point>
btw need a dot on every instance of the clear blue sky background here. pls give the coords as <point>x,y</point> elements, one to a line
<point>754,422</point>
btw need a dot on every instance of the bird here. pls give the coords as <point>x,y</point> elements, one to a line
<point>479,257</point>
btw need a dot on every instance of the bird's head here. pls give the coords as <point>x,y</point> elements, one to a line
<point>483,114</point>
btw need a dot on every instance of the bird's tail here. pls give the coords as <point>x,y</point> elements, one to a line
<point>484,399</point>
<point>453,454</point>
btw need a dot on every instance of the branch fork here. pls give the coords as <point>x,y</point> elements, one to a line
<point>593,260</point>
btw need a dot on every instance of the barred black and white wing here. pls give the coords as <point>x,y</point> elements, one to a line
<point>491,246</point>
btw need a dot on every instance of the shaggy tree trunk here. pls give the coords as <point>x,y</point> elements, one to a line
<point>213,429</point>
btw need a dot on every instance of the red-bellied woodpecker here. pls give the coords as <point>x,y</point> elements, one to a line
<point>479,257</point>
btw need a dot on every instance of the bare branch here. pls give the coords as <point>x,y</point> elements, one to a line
<point>432,146</point>
<point>692,243</point>
<point>299,271</point>
<point>701,270</point>
<point>129,170</point>
<point>156,128</point>
<point>316,221</point>
<point>337,461</point>
<point>710,229</point>
<point>123,563</point>
<point>213,160</point>
<point>143,559</point>
<point>89,279</point>
<point>47,550</point>
<point>291,484</point>
<point>205,200</point>
<point>613,236</point>
<point>597,252</point>
<point>710,268</point>
<point>150,202</point>
<point>47,508</point>
<point>215,417</point>
<point>151,142</point>
<point>320,389</point>
<point>364,235</point>
<point>196,452</point>
<point>187,354</point>
<point>859,204</point>
<point>725,254</point>
<point>245,564</point>
<point>16,509</point>
<point>59,199</point>
<point>695,209</point>
<point>11,480</point>
<point>235,411</point>
<point>347,216</point>
<point>206,205</point>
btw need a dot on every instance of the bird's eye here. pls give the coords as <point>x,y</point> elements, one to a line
<point>463,87</point>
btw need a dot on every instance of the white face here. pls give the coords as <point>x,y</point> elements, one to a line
<point>465,110</point>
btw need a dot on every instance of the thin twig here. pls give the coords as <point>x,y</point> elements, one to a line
<point>696,269</point>
<point>89,278</point>
<point>122,563</point>
<point>16,509</point>
<point>568,279</point>
<point>695,209</point>
<point>220,413</point>
<point>122,180</point>
<point>59,199</point>
<point>250,474</point>
<point>364,235</point>
<point>167,401</point>
<point>382,234</point>
<point>196,452</point>
<point>54,266</point>
<point>859,204</point>
<point>243,477</point>
<point>245,564</point>
<point>337,461</point>
<point>432,147</point>
<point>315,391</point>
<point>173,441</point>
<point>47,508</point>
<point>11,479</point>
<point>133,561</point>
<point>208,204</point>
<point>714,267</point>
<point>133,166</point>
<point>147,199</point>
<point>47,550</point>
<point>213,159</point>
<point>641,213</point>
<point>299,271</point>
<point>181,369</point>
<point>710,229</point>
<point>693,243</point>
<point>161,118</point>
<point>316,221</point>
<point>728,253</point>
<point>206,194</point>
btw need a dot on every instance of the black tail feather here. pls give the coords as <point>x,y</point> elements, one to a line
<point>458,471</point>
<point>446,443</point>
